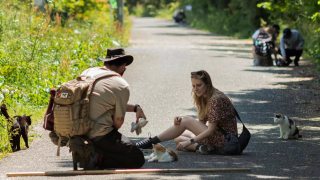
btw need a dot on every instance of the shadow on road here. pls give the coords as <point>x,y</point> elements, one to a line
<point>167,26</point>
<point>224,44</point>
<point>216,36</point>
<point>267,156</point>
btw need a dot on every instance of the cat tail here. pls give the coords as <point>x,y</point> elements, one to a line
<point>173,154</point>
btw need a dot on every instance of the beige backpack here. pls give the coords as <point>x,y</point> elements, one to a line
<point>71,106</point>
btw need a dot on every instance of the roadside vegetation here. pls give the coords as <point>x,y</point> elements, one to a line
<point>150,8</point>
<point>240,18</point>
<point>39,51</point>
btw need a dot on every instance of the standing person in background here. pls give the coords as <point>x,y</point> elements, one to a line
<point>291,44</point>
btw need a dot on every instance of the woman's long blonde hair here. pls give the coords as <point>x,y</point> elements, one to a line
<point>202,102</point>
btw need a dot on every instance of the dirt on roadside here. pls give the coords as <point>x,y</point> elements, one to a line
<point>311,107</point>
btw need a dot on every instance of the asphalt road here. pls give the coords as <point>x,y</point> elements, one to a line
<point>165,53</point>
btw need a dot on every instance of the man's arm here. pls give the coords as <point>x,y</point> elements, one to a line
<point>139,112</point>
<point>282,47</point>
<point>117,122</point>
<point>301,40</point>
<point>130,107</point>
<point>121,97</point>
<point>255,34</point>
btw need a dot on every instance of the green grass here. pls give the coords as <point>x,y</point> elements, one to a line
<point>35,111</point>
<point>150,11</point>
<point>37,54</point>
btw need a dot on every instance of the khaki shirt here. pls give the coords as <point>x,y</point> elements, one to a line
<point>109,93</point>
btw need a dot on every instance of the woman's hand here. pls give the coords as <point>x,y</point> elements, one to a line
<point>177,120</point>
<point>140,114</point>
<point>182,145</point>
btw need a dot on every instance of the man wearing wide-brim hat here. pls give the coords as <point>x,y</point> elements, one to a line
<point>109,99</point>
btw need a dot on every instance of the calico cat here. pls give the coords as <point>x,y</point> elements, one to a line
<point>288,128</point>
<point>17,126</point>
<point>161,154</point>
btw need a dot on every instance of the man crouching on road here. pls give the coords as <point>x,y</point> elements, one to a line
<point>108,106</point>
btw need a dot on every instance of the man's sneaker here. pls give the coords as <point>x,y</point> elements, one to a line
<point>145,144</point>
<point>203,149</point>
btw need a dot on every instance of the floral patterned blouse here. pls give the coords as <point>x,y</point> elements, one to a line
<point>222,111</point>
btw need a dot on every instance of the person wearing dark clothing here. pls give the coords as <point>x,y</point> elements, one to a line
<point>291,44</point>
<point>179,16</point>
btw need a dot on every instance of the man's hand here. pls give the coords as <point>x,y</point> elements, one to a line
<point>182,145</point>
<point>177,120</point>
<point>298,48</point>
<point>140,114</point>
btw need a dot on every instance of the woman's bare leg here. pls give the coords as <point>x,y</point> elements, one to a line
<point>187,123</point>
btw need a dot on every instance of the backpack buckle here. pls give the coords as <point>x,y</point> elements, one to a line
<point>81,78</point>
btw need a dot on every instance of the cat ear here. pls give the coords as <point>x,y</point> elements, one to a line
<point>274,114</point>
<point>28,119</point>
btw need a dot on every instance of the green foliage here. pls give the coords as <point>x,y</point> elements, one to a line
<point>168,11</point>
<point>37,54</point>
<point>240,18</point>
<point>302,15</point>
<point>229,17</point>
<point>150,8</point>
<point>77,8</point>
<point>16,109</point>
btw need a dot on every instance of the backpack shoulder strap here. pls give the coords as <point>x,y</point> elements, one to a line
<point>96,73</point>
<point>100,72</point>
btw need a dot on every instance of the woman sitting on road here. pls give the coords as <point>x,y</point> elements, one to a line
<point>214,107</point>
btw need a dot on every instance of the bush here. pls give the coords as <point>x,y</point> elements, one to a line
<point>37,54</point>
<point>301,15</point>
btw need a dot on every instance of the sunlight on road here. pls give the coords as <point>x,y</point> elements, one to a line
<point>267,177</point>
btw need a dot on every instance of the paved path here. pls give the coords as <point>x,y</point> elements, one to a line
<point>165,54</point>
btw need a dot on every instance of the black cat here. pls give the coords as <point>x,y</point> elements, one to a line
<point>17,126</point>
<point>24,122</point>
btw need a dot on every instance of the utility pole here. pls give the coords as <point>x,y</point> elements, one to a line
<point>120,11</point>
<point>111,15</point>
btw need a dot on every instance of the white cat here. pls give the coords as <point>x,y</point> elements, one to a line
<point>161,154</point>
<point>288,128</point>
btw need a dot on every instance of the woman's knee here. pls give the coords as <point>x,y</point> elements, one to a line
<point>187,119</point>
